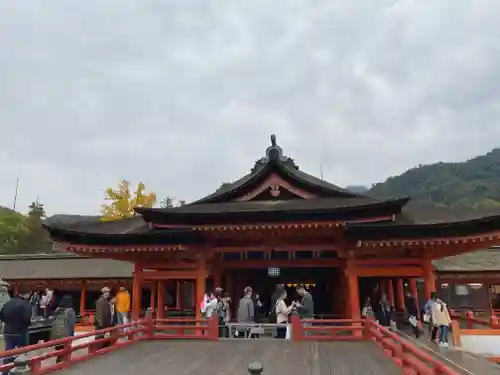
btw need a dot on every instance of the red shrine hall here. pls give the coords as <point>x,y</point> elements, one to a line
<point>278,224</point>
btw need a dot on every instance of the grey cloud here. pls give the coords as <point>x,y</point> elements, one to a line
<point>183,95</point>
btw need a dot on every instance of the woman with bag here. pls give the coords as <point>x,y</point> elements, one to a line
<point>282,313</point>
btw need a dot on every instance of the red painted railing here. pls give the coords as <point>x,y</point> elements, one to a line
<point>410,358</point>
<point>326,329</point>
<point>72,352</point>
<point>471,319</point>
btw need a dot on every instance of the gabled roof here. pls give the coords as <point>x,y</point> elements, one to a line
<point>298,210</point>
<point>285,167</point>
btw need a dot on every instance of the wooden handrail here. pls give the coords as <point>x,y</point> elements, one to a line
<point>471,319</point>
<point>132,332</point>
<point>410,358</point>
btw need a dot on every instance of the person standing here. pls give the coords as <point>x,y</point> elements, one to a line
<point>441,320</point>
<point>224,314</point>
<point>306,305</point>
<point>428,308</point>
<point>122,305</point>
<point>4,297</point>
<point>103,314</point>
<point>383,312</point>
<point>16,316</point>
<point>274,298</point>
<point>64,322</point>
<point>282,313</point>
<point>246,311</point>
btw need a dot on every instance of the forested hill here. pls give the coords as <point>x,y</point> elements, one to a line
<point>474,183</point>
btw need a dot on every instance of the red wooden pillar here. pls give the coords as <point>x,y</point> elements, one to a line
<point>401,294</point>
<point>161,300</point>
<point>353,290</point>
<point>429,277</point>
<point>136,292</point>
<point>83,296</point>
<point>200,283</point>
<point>390,292</point>
<point>152,298</point>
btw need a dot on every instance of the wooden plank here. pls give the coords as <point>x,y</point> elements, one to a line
<point>232,357</point>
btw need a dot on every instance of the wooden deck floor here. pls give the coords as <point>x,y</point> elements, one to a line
<point>232,357</point>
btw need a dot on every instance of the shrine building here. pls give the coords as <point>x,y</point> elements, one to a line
<point>275,224</point>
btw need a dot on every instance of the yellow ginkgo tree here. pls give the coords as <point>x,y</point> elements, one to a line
<point>122,201</point>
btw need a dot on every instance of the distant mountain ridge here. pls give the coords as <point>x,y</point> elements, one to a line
<point>474,183</point>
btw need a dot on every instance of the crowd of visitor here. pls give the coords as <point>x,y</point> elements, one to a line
<point>251,310</point>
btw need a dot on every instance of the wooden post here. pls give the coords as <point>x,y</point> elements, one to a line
<point>353,289</point>
<point>152,297</point>
<point>136,292</point>
<point>390,292</point>
<point>201,274</point>
<point>161,300</point>
<point>401,293</point>
<point>429,277</point>
<point>83,296</point>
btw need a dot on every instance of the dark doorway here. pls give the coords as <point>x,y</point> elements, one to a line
<point>322,283</point>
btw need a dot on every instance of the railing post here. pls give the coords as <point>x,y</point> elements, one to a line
<point>367,322</point>
<point>297,329</point>
<point>255,368</point>
<point>21,366</point>
<point>213,327</point>
<point>150,324</point>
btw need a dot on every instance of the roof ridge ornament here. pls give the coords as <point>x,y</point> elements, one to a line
<point>274,153</point>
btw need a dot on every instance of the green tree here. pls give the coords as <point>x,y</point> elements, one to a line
<point>13,230</point>
<point>37,240</point>
<point>473,184</point>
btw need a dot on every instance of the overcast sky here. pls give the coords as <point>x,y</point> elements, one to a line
<point>183,94</point>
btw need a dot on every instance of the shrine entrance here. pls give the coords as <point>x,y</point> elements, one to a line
<point>322,282</point>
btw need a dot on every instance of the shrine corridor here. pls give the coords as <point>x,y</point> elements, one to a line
<point>232,357</point>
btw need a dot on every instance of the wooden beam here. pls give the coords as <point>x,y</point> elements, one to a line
<point>278,247</point>
<point>168,275</point>
<point>167,265</point>
<point>389,262</point>
<point>390,272</point>
<point>300,263</point>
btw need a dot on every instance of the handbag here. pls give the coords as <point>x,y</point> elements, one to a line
<point>413,321</point>
<point>427,318</point>
<point>288,335</point>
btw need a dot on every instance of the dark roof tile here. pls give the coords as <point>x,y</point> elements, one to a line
<point>61,266</point>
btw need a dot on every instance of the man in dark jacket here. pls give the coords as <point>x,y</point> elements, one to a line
<point>306,305</point>
<point>103,315</point>
<point>16,316</point>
